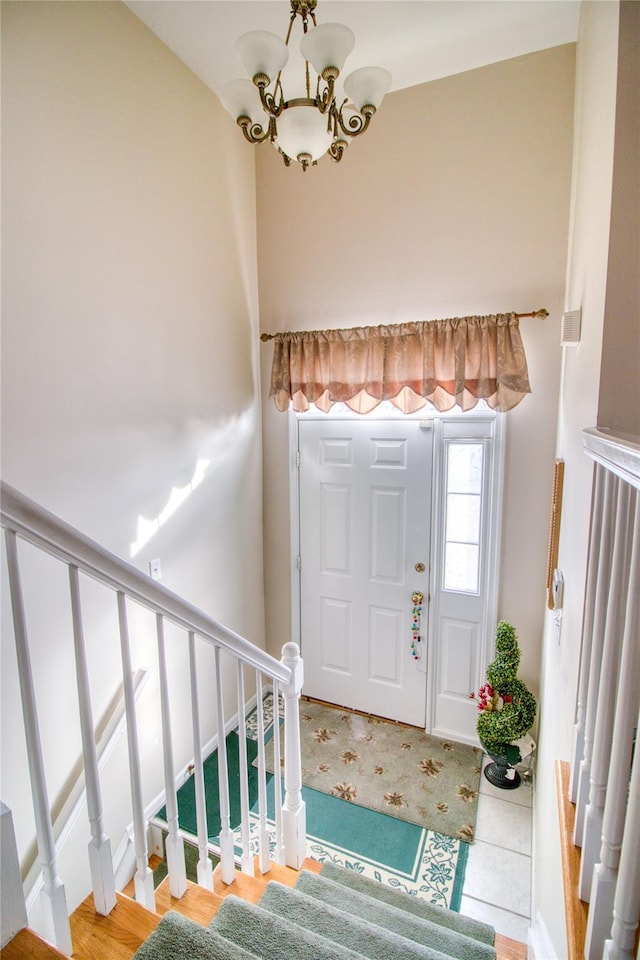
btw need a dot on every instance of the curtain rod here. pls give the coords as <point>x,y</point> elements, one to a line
<point>540,314</point>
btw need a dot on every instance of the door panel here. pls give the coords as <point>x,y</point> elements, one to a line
<point>365,491</point>
<point>335,635</point>
<point>462,611</point>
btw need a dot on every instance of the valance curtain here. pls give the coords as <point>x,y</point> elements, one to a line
<point>443,362</point>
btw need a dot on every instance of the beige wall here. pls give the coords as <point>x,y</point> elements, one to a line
<point>454,203</point>
<point>129,351</point>
<point>587,287</point>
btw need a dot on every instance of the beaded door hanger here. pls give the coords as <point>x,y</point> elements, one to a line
<point>417,599</point>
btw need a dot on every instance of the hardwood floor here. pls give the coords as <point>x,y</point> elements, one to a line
<point>118,936</point>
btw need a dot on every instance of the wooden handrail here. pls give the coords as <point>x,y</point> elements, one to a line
<point>576,911</point>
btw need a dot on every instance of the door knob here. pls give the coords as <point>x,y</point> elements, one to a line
<point>419,567</point>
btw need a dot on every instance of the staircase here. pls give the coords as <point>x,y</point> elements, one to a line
<point>320,913</point>
<point>266,911</point>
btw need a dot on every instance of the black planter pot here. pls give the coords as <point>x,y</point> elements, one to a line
<point>500,773</point>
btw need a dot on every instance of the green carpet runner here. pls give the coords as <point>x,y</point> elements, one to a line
<point>364,936</point>
<point>417,905</point>
<point>273,937</point>
<point>337,915</point>
<point>391,918</point>
<point>177,938</point>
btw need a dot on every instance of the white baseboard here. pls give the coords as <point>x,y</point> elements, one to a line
<point>540,945</point>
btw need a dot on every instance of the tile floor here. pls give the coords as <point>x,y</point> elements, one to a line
<point>497,886</point>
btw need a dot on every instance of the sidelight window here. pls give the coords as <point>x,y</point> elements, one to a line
<point>464,466</point>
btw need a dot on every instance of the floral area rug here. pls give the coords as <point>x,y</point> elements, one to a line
<point>419,862</point>
<point>397,853</point>
<point>395,770</point>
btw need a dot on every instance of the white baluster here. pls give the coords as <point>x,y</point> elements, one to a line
<point>13,911</point>
<point>277,775</point>
<point>294,815</point>
<point>174,842</point>
<point>204,869</point>
<point>100,860</point>
<point>246,860</point>
<point>227,861</point>
<point>603,731</point>
<point>264,860</point>
<point>595,533</point>
<point>53,896</point>
<point>143,878</point>
<point>626,906</point>
<point>600,613</point>
<point>627,704</point>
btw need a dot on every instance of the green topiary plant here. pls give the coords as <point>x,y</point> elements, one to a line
<point>507,708</point>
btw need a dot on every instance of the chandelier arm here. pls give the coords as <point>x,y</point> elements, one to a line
<point>325,99</point>
<point>253,132</point>
<point>336,150</point>
<point>357,123</point>
<point>269,102</point>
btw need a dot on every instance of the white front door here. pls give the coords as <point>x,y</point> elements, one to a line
<point>365,505</point>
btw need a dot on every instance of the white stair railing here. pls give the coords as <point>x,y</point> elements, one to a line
<point>246,861</point>
<point>605,766</point>
<point>174,842</point>
<point>24,520</point>
<point>100,862</point>
<point>53,897</point>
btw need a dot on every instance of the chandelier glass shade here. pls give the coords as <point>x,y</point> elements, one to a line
<point>309,125</point>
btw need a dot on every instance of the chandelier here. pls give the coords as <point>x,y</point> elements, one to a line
<point>306,126</point>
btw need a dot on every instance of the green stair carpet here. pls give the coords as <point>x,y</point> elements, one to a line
<point>416,905</point>
<point>273,937</point>
<point>363,936</point>
<point>338,915</point>
<point>393,919</point>
<point>178,938</point>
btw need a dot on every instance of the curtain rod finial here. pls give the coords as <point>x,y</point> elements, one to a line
<point>266,336</point>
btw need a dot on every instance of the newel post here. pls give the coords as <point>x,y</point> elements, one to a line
<point>294,814</point>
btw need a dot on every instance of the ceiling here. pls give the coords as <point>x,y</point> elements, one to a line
<point>416,40</point>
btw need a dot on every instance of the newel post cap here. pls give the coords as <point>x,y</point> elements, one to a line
<point>291,658</point>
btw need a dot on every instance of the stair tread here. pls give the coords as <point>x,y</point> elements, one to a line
<point>244,886</point>
<point>28,945</point>
<point>154,862</point>
<point>288,876</point>
<point>178,937</point>
<point>508,949</point>
<point>263,933</point>
<point>394,919</point>
<point>116,937</point>
<point>329,921</point>
<point>415,905</point>
<point>197,903</point>
<point>252,888</point>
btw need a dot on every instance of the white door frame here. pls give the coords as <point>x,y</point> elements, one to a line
<point>494,526</point>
